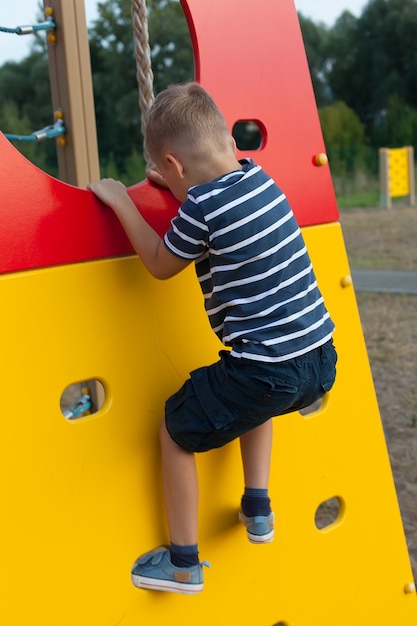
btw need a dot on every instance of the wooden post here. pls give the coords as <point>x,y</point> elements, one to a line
<point>72,91</point>
<point>411,176</point>
<point>386,202</point>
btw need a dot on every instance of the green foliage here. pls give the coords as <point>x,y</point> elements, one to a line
<point>370,64</point>
<point>13,122</point>
<point>352,198</point>
<point>374,58</point>
<point>397,125</point>
<point>10,119</point>
<point>135,168</point>
<point>25,85</point>
<point>344,136</point>
<point>169,37</point>
<point>353,163</point>
<point>341,126</point>
<point>115,84</point>
<point>316,38</point>
<point>341,57</point>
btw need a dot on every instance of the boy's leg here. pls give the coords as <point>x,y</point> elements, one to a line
<point>181,490</point>
<point>255,448</point>
<point>177,569</point>
<point>255,514</point>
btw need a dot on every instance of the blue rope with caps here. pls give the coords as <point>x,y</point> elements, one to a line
<point>54,130</point>
<point>49,24</point>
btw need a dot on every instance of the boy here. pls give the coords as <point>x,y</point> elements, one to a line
<point>262,301</point>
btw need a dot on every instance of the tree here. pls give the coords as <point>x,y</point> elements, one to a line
<point>114,70</point>
<point>315,38</point>
<point>13,122</point>
<point>341,52</point>
<point>397,126</point>
<point>114,81</point>
<point>374,58</point>
<point>25,87</point>
<point>345,139</point>
<point>170,41</point>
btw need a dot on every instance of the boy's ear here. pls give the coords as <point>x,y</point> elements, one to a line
<point>175,165</point>
<point>234,145</point>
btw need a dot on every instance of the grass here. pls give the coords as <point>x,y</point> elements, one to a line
<point>363,198</point>
<point>362,190</point>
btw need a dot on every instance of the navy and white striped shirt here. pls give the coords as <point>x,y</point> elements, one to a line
<point>260,291</point>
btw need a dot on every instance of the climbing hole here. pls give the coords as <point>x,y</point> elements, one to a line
<point>82,399</point>
<point>249,134</point>
<point>312,408</point>
<point>329,512</point>
<point>281,624</point>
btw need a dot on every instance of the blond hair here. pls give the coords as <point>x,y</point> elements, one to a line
<point>186,119</point>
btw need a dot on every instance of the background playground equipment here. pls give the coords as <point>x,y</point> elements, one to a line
<point>396,173</point>
<point>82,498</point>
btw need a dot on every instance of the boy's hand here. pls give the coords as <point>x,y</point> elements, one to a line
<point>147,244</point>
<point>109,191</point>
<point>155,176</point>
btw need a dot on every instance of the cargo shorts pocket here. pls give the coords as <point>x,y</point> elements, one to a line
<point>210,386</point>
<point>328,356</point>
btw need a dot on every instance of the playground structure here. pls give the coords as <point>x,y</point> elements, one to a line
<point>396,173</point>
<point>82,498</point>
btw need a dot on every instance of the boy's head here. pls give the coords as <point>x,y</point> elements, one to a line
<point>185,121</point>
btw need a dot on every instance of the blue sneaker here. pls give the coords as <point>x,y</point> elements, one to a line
<point>260,528</point>
<point>154,570</point>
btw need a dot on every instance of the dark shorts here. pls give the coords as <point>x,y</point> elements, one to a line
<point>231,397</point>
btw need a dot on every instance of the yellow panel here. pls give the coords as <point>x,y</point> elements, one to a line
<point>399,174</point>
<point>81,500</point>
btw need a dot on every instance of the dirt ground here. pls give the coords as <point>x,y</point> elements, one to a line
<point>382,239</point>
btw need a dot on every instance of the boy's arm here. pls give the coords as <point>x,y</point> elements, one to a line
<point>147,244</point>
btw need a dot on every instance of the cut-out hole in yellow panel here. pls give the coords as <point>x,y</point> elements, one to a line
<point>329,512</point>
<point>312,408</point>
<point>81,399</point>
<point>249,134</point>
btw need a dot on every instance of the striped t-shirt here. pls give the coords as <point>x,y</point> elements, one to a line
<point>261,294</point>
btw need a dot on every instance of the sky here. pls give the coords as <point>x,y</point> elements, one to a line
<point>21,12</point>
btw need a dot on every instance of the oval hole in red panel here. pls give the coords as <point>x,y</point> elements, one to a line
<point>249,135</point>
<point>82,399</point>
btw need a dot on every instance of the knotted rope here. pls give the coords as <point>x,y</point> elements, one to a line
<point>144,72</point>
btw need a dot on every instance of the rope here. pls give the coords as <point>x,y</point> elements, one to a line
<point>48,132</point>
<point>28,30</point>
<point>144,72</point>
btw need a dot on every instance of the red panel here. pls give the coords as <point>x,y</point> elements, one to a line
<point>44,221</point>
<point>250,56</point>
